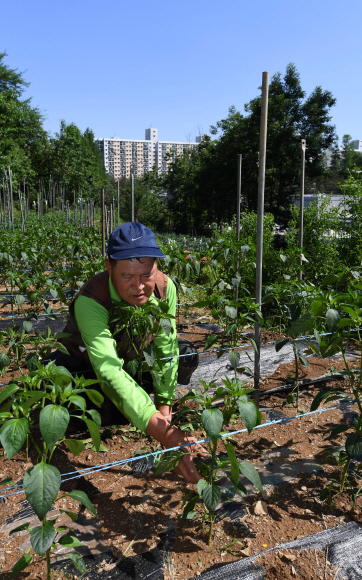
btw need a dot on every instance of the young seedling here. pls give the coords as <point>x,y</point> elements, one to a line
<point>51,389</point>
<point>212,420</point>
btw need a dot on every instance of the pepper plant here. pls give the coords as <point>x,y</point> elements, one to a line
<point>233,396</point>
<point>344,322</point>
<point>51,390</point>
<point>133,328</point>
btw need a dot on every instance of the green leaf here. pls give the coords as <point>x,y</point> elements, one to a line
<point>231,312</point>
<point>42,537</point>
<point>166,326</point>
<point>210,341</point>
<point>13,435</point>
<point>30,361</point>
<point>350,311</point>
<point>337,430</point>
<point>318,399</point>
<point>4,361</point>
<point>188,513</point>
<point>77,561</point>
<point>96,417</point>
<point>169,461</point>
<point>21,564</point>
<point>332,318</point>
<point>78,401</point>
<point>317,337</point>
<point>344,322</point>
<point>27,325</point>
<point>249,414</point>
<point>201,484</point>
<point>69,542</point>
<point>211,495</point>
<point>280,343</point>
<point>304,361</point>
<point>234,358</point>
<point>132,367</point>
<point>150,356</point>
<point>234,463</point>
<point>75,446</point>
<point>353,445</point>
<point>53,423</point>
<point>94,432</point>
<point>20,528</point>
<point>249,471</point>
<point>212,420</point>
<point>302,325</point>
<point>72,515</point>
<point>317,307</point>
<point>41,486</point>
<point>83,499</point>
<point>96,397</point>
<point>34,398</point>
<point>20,299</point>
<point>8,390</point>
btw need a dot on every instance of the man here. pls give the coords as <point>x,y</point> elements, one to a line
<point>132,275</point>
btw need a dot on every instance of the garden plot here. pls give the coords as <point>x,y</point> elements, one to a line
<point>138,529</point>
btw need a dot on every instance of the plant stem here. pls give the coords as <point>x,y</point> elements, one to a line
<point>211,520</point>
<point>296,371</point>
<point>211,515</point>
<point>48,565</point>
<point>343,475</point>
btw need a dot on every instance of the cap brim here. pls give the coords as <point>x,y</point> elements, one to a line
<point>138,253</point>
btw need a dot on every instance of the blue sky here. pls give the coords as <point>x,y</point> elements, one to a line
<point>120,66</point>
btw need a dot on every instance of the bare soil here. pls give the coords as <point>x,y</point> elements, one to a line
<point>134,509</point>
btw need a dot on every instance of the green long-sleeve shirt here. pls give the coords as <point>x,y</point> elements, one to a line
<point>117,384</point>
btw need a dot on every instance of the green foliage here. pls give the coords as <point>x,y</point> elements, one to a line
<point>202,184</point>
<point>52,385</point>
<point>213,420</point>
<point>133,328</point>
<point>345,322</point>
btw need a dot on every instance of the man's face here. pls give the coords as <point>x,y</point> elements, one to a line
<point>134,281</point>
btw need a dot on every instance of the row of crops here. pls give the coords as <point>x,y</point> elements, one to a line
<point>41,270</point>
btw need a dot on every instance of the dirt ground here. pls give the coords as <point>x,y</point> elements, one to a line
<point>135,510</point>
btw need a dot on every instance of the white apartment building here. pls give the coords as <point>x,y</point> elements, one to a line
<point>120,154</point>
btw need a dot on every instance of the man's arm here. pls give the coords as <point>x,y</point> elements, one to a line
<point>157,429</point>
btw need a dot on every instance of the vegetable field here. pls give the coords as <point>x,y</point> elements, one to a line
<point>284,454</point>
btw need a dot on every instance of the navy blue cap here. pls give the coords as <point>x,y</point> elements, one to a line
<point>133,240</point>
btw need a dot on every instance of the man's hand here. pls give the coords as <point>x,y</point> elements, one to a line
<point>174,437</point>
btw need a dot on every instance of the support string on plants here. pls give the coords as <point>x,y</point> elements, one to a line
<point>102,467</point>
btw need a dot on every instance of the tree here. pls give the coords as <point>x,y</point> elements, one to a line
<point>149,206</point>
<point>76,162</point>
<point>22,137</point>
<point>203,185</point>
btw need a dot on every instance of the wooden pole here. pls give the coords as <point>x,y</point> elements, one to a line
<point>238,196</point>
<point>102,219</point>
<point>301,204</point>
<point>259,235</point>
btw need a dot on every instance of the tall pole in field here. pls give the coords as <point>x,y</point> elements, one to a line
<point>238,196</point>
<point>132,192</point>
<point>301,204</point>
<point>102,218</point>
<point>118,201</point>
<point>259,233</point>
<point>11,199</point>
